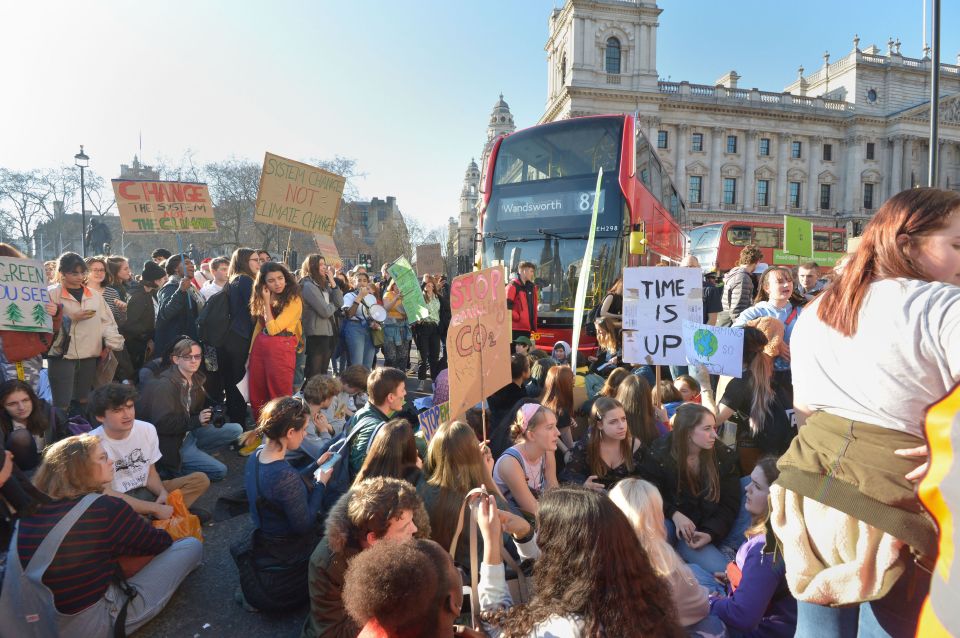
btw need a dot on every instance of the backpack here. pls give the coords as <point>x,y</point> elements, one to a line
<point>214,319</point>
<point>341,479</point>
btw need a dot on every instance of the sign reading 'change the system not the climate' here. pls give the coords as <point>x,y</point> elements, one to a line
<point>23,295</point>
<point>298,196</point>
<point>656,302</point>
<point>150,206</point>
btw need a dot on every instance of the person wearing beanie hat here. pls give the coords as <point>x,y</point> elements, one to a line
<point>142,312</point>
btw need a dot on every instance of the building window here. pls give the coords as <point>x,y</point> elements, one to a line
<point>695,196</point>
<point>731,143</point>
<point>765,146</point>
<point>661,139</point>
<point>868,196</point>
<point>563,69</point>
<point>824,196</point>
<point>763,192</point>
<point>613,56</point>
<point>795,148</point>
<point>696,142</point>
<point>870,150</point>
<point>729,190</point>
<point>828,152</point>
<point>794,194</point>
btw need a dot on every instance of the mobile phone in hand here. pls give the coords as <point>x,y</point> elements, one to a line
<point>329,463</point>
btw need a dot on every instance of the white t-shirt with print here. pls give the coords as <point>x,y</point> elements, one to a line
<point>132,456</point>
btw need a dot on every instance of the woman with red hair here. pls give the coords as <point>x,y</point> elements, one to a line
<point>869,355</point>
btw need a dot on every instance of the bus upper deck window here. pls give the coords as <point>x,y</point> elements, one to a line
<point>739,235</point>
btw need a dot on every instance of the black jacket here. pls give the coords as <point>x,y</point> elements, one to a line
<point>162,404</point>
<point>177,316</point>
<point>714,518</point>
<point>140,316</point>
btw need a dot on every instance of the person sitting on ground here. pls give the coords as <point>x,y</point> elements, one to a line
<point>387,388</point>
<point>759,603</point>
<point>400,590</point>
<point>393,453</point>
<point>538,377</point>
<point>643,506</point>
<point>25,427</point>
<point>609,454</point>
<point>608,357</point>
<point>688,387</point>
<point>528,469</point>
<point>503,400</point>
<point>583,539</point>
<point>319,393</point>
<point>635,396</point>
<point>558,396</point>
<point>81,575</point>
<point>351,397</point>
<point>668,398</point>
<point>284,511</point>
<point>174,402</point>
<point>522,345</point>
<point>561,353</point>
<point>698,480</point>
<point>609,389</point>
<point>133,447</point>
<point>374,510</point>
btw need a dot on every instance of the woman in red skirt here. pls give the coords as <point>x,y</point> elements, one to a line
<point>276,306</point>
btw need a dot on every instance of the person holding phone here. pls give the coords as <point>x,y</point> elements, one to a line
<point>92,333</point>
<point>609,453</point>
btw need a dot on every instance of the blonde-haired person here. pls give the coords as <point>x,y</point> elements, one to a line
<point>529,467</point>
<point>81,568</point>
<point>642,504</point>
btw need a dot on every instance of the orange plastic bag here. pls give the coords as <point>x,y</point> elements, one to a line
<point>182,524</point>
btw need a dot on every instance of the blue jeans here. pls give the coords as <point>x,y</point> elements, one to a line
<point>198,443</point>
<point>709,557</point>
<point>736,538</point>
<point>593,383</point>
<point>893,616</point>
<point>358,343</point>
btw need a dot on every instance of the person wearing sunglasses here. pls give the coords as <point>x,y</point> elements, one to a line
<point>175,403</point>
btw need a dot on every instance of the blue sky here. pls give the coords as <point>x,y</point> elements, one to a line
<point>405,88</point>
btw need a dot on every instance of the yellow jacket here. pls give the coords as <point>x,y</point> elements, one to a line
<point>287,321</point>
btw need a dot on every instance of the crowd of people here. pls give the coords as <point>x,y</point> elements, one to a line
<point>613,500</point>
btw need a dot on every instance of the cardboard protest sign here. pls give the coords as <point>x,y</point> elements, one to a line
<point>409,285</point>
<point>298,196</point>
<point>23,293</point>
<point>656,302</point>
<point>719,350</point>
<point>797,236</point>
<point>151,206</point>
<point>432,419</point>
<point>328,249</point>
<point>429,260</point>
<point>478,340</point>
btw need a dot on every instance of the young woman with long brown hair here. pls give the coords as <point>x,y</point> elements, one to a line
<point>393,453</point>
<point>232,355</point>
<point>593,577</point>
<point>609,453</point>
<point>321,299</point>
<point>558,396</point>
<point>608,357</point>
<point>636,397</point>
<point>25,427</point>
<point>869,355</point>
<point>698,478</point>
<point>277,306</point>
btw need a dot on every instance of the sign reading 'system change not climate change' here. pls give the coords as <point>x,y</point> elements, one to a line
<point>150,206</point>
<point>23,294</point>
<point>298,196</point>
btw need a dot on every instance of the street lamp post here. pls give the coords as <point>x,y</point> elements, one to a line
<point>81,160</point>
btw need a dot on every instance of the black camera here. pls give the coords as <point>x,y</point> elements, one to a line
<point>218,415</point>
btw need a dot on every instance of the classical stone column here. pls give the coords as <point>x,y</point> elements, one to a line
<point>895,183</point>
<point>716,151</point>
<point>813,168</point>
<point>908,162</point>
<point>851,186</point>
<point>783,142</point>
<point>749,197</point>
<point>680,163</point>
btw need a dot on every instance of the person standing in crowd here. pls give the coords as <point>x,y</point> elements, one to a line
<point>528,468</point>
<point>27,423</point>
<point>895,310</point>
<point>82,572</point>
<point>396,329</point>
<point>97,276</point>
<point>219,269</point>
<point>808,276</point>
<point>522,300</point>
<point>160,255</point>
<point>263,256</point>
<point>446,315</point>
<point>141,314</point>
<point>116,290</point>
<point>612,305</point>
<point>174,403</point>
<point>321,300</point>
<point>738,285</point>
<point>428,331</point>
<point>759,603</point>
<point>92,330</point>
<point>49,268</point>
<point>387,388</point>
<point>232,355</point>
<point>357,322</point>
<point>379,509</point>
<point>699,483</point>
<point>180,304</point>
<point>609,453</point>
<point>583,538</point>
<point>608,356</point>
<point>277,306</point>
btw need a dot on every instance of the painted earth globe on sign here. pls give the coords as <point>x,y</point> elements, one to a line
<point>705,343</point>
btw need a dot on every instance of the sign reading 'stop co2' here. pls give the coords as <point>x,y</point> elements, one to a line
<point>565,204</point>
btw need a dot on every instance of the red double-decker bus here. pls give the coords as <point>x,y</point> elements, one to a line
<point>538,201</point>
<point>717,246</point>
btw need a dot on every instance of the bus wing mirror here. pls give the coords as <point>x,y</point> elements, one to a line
<point>638,242</point>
